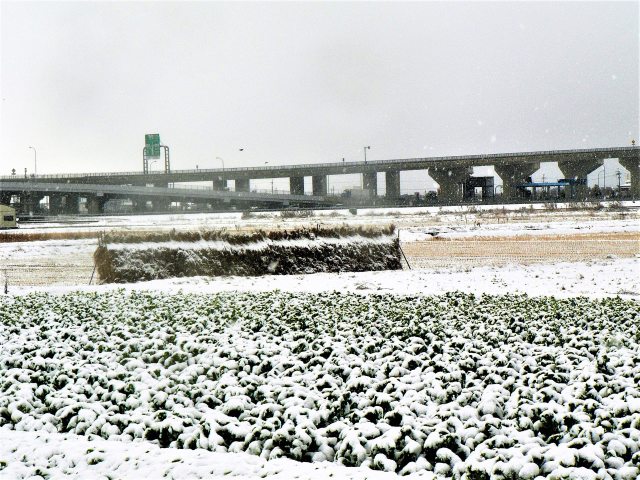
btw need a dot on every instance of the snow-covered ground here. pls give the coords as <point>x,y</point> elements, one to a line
<point>456,386</point>
<point>413,231</point>
<point>46,455</point>
<point>64,455</point>
<point>509,230</point>
<point>461,216</point>
<point>596,279</point>
<point>14,251</point>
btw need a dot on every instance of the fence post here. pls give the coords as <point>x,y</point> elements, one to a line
<point>93,272</point>
<point>402,251</point>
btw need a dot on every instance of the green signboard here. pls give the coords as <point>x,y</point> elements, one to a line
<point>152,145</point>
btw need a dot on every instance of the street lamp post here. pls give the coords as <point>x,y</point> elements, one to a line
<point>365,161</point>
<point>598,180</point>
<point>224,181</point>
<point>35,161</point>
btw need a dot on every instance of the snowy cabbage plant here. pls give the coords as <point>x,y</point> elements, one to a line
<point>464,387</point>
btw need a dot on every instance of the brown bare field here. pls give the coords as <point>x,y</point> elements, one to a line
<point>69,270</point>
<point>495,251</point>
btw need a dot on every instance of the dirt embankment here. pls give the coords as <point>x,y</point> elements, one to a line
<point>131,258</point>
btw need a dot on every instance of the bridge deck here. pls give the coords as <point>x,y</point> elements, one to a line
<point>338,168</point>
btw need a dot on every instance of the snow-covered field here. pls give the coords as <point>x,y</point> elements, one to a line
<point>450,386</point>
<point>522,217</point>
<point>512,388</point>
<point>77,457</point>
<point>596,279</point>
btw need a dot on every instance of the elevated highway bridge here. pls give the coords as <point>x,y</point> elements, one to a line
<point>65,196</point>
<point>449,172</point>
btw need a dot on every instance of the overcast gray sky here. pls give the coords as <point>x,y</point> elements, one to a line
<point>83,82</point>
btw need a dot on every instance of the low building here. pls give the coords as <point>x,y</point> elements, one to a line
<point>7,217</point>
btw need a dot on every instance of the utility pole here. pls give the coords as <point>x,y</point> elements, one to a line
<point>619,174</point>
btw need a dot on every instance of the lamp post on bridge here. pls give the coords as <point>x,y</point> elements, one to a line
<point>35,161</point>
<point>368,147</point>
<point>224,180</point>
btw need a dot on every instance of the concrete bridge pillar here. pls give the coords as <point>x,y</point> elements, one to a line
<point>319,184</point>
<point>160,204</point>
<point>30,203</point>
<point>392,182</point>
<point>578,170</point>
<point>513,175</point>
<point>218,184</point>
<point>56,204</point>
<point>71,204</point>
<point>95,204</point>
<point>370,183</point>
<point>451,180</point>
<point>296,185</point>
<point>633,165</point>
<point>139,204</point>
<point>5,198</point>
<point>242,184</point>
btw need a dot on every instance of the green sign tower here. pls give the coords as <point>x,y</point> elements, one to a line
<point>152,145</point>
<point>151,149</point>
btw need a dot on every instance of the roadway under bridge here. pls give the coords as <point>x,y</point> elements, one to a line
<point>451,173</point>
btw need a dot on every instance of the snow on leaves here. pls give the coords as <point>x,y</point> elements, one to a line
<point>460,386</point>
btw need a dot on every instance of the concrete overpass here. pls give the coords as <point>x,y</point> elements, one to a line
<point>450,172</point>
<point>64,197</point>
